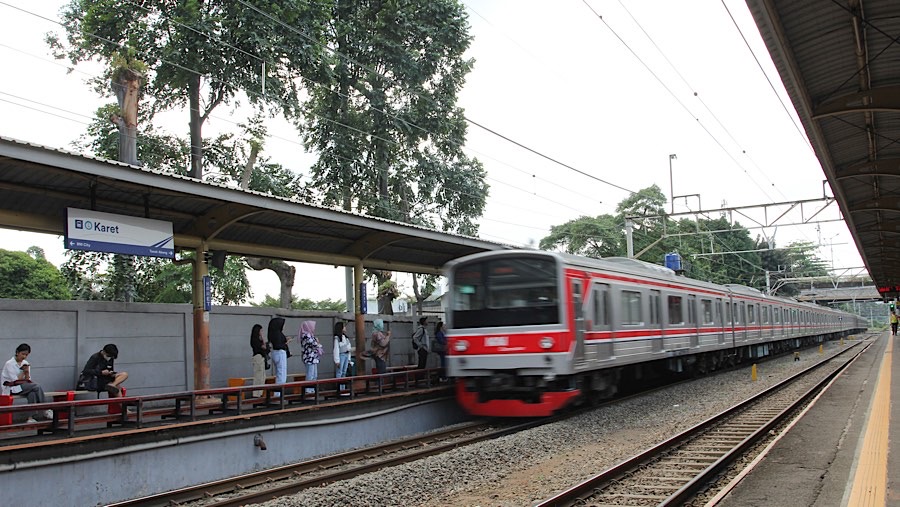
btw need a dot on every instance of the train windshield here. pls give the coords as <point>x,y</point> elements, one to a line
<point>507,291</point>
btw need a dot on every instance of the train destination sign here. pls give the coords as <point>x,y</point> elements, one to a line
<point>96,231</point>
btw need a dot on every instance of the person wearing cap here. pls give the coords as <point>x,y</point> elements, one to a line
<point>421,342</point>
<point>100,366</point>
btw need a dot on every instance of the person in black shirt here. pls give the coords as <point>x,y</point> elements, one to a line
<point>99,374</point>
<point>260,359</point>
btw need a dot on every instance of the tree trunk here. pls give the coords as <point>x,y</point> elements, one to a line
<point>285,273</point>
<point>127,86</point>
<point>248,167</point>
<point>196,127</point>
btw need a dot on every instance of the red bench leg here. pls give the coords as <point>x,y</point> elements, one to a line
<point>5,401</point>
<point>69,396</point>
<point>116,408</point>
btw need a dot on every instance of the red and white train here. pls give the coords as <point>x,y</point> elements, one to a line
<point>531,332</point>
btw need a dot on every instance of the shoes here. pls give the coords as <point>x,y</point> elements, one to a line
<point>31,420</point>
<point>48,414</point>
<point>112,390</point>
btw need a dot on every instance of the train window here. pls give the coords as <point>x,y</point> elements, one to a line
<point>728,316</point>
<point>631,308</point>
<point>751,314</point>
<point>707,307</point>
<point>777,314</point>
<point>655,298</point>
<point>601,306</point>
<point>765,314</point>
<point>718,309</point>
<point>692,310</point>
<point>738,315</point>
<point>676,310</point>
<point>507,291</point>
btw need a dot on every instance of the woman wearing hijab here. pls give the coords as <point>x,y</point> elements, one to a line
<point>312,350</point>
<point>259,361</point>
<point>341,350</point>
<point>280,350</point>
<point>380,341</point>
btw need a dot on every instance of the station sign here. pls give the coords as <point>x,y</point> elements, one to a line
<point>96,231</point>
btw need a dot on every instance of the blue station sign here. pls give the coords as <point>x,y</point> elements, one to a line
<point>96,231</point>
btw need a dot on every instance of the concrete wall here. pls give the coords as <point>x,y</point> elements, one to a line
<point>156,340</point>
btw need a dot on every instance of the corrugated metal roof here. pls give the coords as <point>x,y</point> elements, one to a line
<point>838,62</point>
<point>38,183</point>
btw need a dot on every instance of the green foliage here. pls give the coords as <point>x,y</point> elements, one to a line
<point>24,276</point>
<point>93,276</point>
<point>713,249</point>
<point>221,40</point>
<point>331,305</point>
<point>385,120</point>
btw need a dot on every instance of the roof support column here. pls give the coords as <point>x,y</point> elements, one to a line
<point>360,318</point>
<point>201,321</point>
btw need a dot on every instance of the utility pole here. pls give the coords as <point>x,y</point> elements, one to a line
<point>672,182</point>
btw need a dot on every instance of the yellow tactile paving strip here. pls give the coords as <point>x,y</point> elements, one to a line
<point>870,482</point>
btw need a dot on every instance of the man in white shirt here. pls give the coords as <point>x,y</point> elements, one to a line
<point>15,379</point>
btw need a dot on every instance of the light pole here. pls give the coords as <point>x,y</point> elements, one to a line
<point>672,183</point>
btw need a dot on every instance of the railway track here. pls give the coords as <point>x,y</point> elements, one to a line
<point>273,483</point>
<point>674,471</point>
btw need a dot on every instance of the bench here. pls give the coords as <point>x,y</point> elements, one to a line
<point>270,379</point>
<point>12,399</point>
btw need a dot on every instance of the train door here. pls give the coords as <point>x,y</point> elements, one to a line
<point>656,322</point>
<point>740,321</point>
<point>692,321</point>
<point>719,319</point>
<point>578,321</point>
<point>601,324</point>
<point>729,320</point>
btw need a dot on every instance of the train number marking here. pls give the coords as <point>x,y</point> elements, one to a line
<point>496,341</point>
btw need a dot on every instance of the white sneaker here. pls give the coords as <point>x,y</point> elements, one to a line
<point>31,420</point>
<point>48,414</point>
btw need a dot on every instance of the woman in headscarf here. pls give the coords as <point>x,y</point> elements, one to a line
<point>260,357</point>
<point>380,341</point>
<point>280,350</point>
<point>312,350</point>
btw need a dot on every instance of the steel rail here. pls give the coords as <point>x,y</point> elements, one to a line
<point>685,487</point>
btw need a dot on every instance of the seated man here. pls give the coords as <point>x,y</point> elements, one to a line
<point>100,375</point>
<point>16,380</point>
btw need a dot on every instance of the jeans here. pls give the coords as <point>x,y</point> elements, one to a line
<point>423,357</point>
<point>380,365</point>
<point>279,360</point>
<point>312,373</point>
<point>34,392</point>
<point>342,366</point>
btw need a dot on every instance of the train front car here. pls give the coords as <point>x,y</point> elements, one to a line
<point>509,339</point>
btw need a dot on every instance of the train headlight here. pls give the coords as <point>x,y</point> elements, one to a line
<point>546,342</point>
<point>460,346</point>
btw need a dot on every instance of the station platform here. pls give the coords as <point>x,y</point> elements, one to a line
<point>845,449</point>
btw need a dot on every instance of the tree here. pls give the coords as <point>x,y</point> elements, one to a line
<point>201,54</point>
<point>386,124</point>
<point>330,305</point>
<point>29,276</point>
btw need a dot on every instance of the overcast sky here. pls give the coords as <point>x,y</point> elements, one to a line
<point>608,88</point>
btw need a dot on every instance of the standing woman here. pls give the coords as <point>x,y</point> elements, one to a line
<point>280,350</point>
<point>312,350</point>
<point>380,342</point>
<point>260,359</point>
<point>440,346</point>
<point>341,350</point>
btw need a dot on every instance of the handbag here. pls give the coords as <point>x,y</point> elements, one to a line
<point>87,383</point>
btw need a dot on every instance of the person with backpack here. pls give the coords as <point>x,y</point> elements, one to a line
<point>421,343</point>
